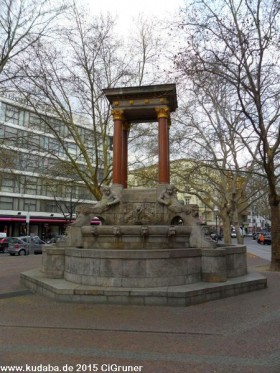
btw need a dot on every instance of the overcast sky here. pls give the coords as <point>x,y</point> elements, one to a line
<point>128,10</point>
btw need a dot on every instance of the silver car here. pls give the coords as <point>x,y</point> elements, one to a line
<point>17,247</point>
<point>26,245</point>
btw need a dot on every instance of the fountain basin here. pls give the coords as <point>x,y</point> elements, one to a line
<point>144,268</point>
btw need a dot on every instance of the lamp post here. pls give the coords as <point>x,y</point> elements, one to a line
<point>216,213</point>
<point>205,214</point>
<point>254,220</point>
<point>28,229</point>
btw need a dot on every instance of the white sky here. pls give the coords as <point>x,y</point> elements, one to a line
<point>128,10</point>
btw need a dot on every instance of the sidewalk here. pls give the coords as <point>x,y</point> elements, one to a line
<point>236,334</point>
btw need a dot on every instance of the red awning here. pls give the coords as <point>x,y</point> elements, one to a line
<point>33,220</point>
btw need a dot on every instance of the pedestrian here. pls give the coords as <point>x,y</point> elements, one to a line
<point>261,239</point>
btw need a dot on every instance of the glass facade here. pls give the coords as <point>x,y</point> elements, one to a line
<point>29,150</point>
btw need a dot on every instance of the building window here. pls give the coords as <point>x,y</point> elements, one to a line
<point>72,149</point>
<point>29,205</point>
<point>11,136</point>
<point>34,142</point>
<point>44,143</point>
<point>12,114</point>
<point>187,200</point>
<point>30,186</point>
<point>53,145</point>
<point>84,193</point>
<point>28,162</point>
<point>6,203</point>
<point>52,207</point>
<point>59,127</point>
<point>2,131</point>
<point>8,183</point>
<point>35,122</point>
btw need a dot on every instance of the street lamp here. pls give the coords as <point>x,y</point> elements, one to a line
<point>28,228</point>
<point>205,214</point>
<point>216,210</point>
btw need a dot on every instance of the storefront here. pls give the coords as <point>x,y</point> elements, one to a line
<point>44,227</point>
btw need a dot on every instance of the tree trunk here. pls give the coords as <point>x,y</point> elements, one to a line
<point>275,235</point>
<point>226,228</point>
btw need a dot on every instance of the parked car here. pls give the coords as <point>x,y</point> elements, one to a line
<point>234,235</point>
<point>55,239</point>
<point>216,236</point>
<point>34,242</point>
<point>267,239</point>
<point>17,247</point>
<point>25,245</point>
<point>4,244</point>
<point>255,235</point>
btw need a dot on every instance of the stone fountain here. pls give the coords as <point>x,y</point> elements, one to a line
<point>149,249</point>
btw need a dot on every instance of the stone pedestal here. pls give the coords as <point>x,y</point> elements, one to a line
<point>214,265</point>
<point>53,264</point>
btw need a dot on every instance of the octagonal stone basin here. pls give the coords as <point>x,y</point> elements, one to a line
<point>144,268</point>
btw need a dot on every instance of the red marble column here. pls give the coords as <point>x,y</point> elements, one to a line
<point>118,147</point>
<point>125,133</point>
<point>163,145</point>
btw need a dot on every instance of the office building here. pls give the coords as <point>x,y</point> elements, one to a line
<point>35,196</point>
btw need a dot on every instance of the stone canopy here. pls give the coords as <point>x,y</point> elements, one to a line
<point>139,103</point>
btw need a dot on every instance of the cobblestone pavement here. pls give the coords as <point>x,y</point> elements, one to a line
<point>236,334</point>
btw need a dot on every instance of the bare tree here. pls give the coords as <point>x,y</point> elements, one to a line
<point>238,42</point>
<point>220,169</point>
<point>146,46</point>
<point>67,80</point>
<point>64,76</point>
<point>22,24</point>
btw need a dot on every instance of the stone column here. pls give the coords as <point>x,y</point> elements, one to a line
<point>118,147</point>
<point>163,145</point>
<point>125,133</point>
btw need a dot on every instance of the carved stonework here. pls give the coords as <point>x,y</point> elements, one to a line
<point>85,213</point>
<point>145,208</point>
<point>139,214</point>
<point>168,198</point>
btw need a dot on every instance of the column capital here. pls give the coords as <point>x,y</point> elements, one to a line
<point>162,112</point>
<point>117,114</point>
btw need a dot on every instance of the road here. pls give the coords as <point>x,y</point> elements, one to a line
<point>262,251</point>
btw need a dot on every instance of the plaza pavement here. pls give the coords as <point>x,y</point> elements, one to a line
<point>236,334</point>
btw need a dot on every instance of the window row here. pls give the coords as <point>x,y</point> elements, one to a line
<point>38,186</point>
<point>29,204</point>
<point>13,137</point>
<point>16,115</point>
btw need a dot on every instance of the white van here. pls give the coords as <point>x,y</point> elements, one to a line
<point>233,233</point>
